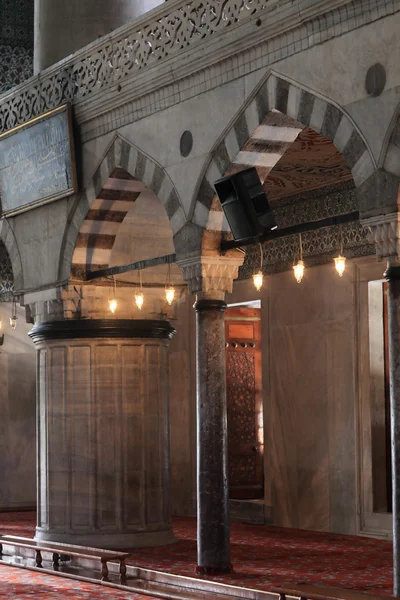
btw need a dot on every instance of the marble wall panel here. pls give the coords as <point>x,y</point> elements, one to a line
<point>309,386</point>
<point>182,410</point>
<point>17,415</point>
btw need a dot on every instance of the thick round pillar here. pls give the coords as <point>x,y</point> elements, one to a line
<point>103,473</point>
<point>393,276</point>
<point>212,477</point>
<point>65,26</point>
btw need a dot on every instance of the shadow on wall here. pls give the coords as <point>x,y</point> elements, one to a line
<point>17,413</point>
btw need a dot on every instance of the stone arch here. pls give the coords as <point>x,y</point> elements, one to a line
<point>142,168</point>
<point>10,258</point>
<point>275,92</point>
<point>390,155</point>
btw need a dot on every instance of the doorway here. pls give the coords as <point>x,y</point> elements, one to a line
<point>244,401</point>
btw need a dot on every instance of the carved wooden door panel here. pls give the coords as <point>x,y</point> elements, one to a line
<point>244,402</point>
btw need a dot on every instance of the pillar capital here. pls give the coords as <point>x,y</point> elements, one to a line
<point>211,276</point>
<point>385,234</point>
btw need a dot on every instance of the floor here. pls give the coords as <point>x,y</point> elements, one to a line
<point>263,556</point>
<point>21,584</point>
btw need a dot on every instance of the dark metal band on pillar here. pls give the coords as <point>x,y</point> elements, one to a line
<point>102,328</point>
<point>393,276</point>
<point>213,540</point>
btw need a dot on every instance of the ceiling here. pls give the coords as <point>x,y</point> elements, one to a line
<point>311,162</point>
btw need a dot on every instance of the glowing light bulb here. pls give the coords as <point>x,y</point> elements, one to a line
<point>13,322</point>
<point>340,264</point>
<point>258,280</point>
<point>299,271</point>
<point>139,299</point>
<point>170,294</point>
<point>113,305</point>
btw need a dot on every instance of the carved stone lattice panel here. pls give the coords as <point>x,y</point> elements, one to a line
<point>6,276</point>
<point>319,247</point>
<point>240,392</point>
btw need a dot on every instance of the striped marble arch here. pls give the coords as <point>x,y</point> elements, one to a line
<point>124,173</point>
<point>99,229</point>
<point>262,132</point>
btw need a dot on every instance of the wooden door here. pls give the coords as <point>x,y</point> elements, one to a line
<point>244,402</point>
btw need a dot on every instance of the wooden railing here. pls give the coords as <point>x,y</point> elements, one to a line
<point>319,592</point>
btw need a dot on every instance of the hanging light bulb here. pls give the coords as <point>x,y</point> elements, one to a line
<point>299,267</point>
<point>299,270</point>
<point>340,264</point>
<point>13,318</point>
<point>170,294</point>
<point>139,299</point>
<point>112,303</point>
<point>258,277</point>
<point>169,288</point>
<point>139,296</point>
<point>258,280</point>
<point>340,261</point>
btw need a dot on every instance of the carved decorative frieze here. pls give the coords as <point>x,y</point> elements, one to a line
<point>314,206</point>
<point>211,275</point>
<point>166,32</point>
<point>119,57</point>
<point>319,247</point>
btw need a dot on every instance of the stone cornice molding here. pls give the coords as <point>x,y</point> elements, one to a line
<point>385,234</point>
<point>211,275</point>
<point>182,62</point>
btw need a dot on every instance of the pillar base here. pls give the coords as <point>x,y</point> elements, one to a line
<point>213,570</point>
<point>109,540</point>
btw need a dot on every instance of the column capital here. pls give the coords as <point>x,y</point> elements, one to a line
<point>385,234</point>
<point>211,276</point>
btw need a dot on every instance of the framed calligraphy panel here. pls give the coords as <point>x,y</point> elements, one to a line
<point>37,162</point>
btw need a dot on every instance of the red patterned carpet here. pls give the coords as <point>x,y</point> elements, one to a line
<point>265,556</point>
<point>19,584</point>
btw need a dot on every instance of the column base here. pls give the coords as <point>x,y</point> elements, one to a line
<point>109,540</point>
<point>213,570</point>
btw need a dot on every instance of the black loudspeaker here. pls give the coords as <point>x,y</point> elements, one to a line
<point>245,204</point>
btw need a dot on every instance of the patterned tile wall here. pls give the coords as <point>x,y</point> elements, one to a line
<point>16,42</point>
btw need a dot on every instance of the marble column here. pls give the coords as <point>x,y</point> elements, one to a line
<point>393,276</point>
<point>65,26</point>
<point>102,424</point>
<point>212,452</point>
<point>209,277</point>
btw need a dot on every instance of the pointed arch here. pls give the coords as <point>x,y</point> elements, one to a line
<point>91,213</point>
<point>7,236</point>
<point>390,154</point>
<point>278,93</point>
